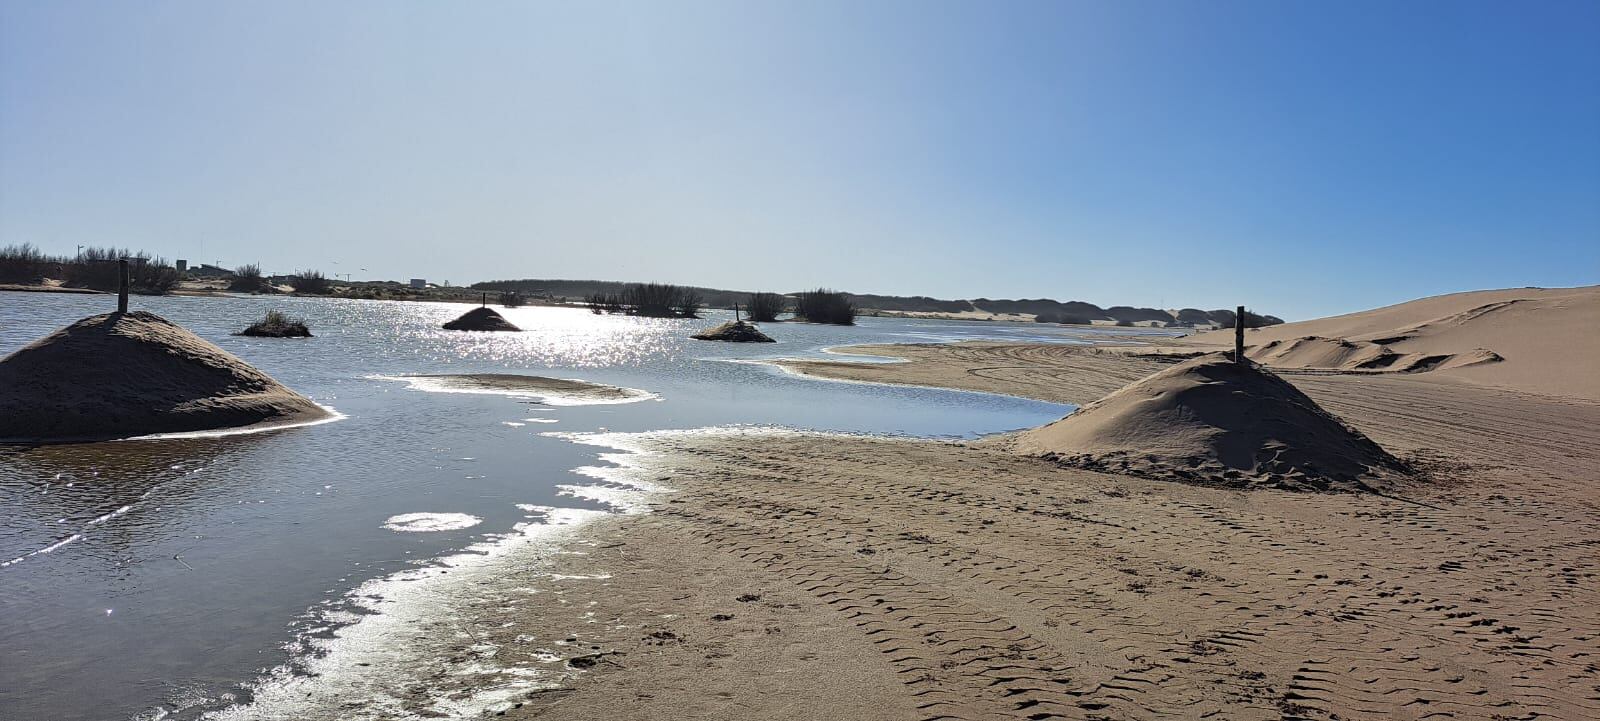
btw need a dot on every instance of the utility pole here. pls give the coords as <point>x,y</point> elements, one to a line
<point>1238,335</point>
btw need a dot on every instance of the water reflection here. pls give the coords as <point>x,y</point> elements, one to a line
<point>65,492</point>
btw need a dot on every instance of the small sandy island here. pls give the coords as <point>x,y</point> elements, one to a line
<point>484,318</point>
<point>734,331</point>
<point>554,391</point>
<point>135,374</point>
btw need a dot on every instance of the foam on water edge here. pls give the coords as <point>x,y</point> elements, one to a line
<point>355,659</point>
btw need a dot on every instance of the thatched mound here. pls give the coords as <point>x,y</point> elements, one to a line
<point>734,331</point>
<point>121,375</point>
<point>481,319</point>
<point>1209,420</point>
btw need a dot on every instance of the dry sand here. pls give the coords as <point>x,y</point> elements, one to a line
<point>992,585</point>
<point>121,375</point>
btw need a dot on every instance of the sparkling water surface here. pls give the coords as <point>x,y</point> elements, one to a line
<point>158,578</point>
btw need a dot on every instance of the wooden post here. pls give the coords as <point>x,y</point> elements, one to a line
<point>486,299</point>
<point>1238,335</point>
<point>736,313</point>
<point>122,285</point>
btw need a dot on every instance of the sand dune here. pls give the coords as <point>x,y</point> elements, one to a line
<point>1533,339</point>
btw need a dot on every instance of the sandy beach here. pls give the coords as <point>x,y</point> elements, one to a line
<point>795,575</point>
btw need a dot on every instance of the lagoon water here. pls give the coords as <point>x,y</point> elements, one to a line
<point>162,578</point>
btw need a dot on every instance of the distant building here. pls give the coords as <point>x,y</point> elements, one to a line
<point>183,265</point>
<point>419,283</point>
<point>207,270</point>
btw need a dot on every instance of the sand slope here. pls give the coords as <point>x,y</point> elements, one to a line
<point>1533,339</point>
<point>122,375</point>
<point>1210,420</point>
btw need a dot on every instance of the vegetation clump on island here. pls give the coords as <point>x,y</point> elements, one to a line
<point>277,325</point>
<point>825,306</point>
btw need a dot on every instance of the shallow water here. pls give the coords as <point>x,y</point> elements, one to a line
<point>161,577</point>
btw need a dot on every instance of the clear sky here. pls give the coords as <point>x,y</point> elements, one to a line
<point>1304,158</point>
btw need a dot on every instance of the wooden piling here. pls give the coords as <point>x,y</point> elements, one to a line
<point>485,300</point>
<point>122,285</point>
<point>1238,335</point>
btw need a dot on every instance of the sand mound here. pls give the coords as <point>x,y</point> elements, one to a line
<point>1212,421</point>
<point>734,331</point>
<point>1534,339</point>
<point>481,319</point>
<point>122,375</point>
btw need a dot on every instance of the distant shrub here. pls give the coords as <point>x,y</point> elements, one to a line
<point>604,303</point>
<point>277,325</point>
<point>247,279</point>
<point>661,300</point>
<point>650,300</point>
<point>97,269</point>
<point>311,282</point>
<point>1124,323</point>
<point>23,264</point>
<point>510,299</point>
<point>765,307</point>
<point>825,306</point>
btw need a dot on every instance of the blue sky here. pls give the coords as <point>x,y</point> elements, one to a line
<point>1303,158</point>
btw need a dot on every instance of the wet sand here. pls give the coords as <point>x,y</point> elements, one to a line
<point>920,579</point>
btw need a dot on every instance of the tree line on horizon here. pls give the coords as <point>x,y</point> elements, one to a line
<point>1044,309</point>
<point>665,300</point>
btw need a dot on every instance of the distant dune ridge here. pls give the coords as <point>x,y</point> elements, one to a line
<point>133,374</point>
<point>1210,420</point>
<point>1543,340</point>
